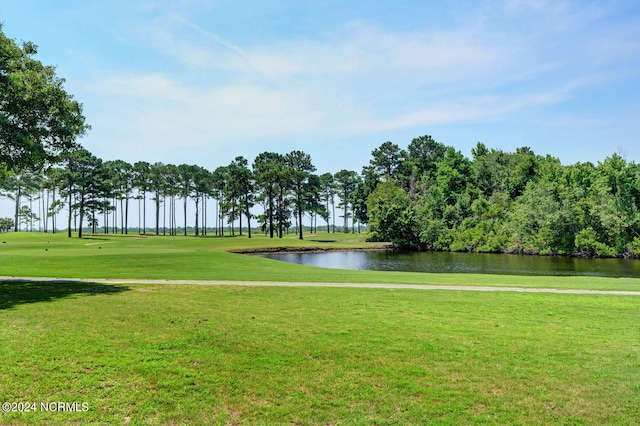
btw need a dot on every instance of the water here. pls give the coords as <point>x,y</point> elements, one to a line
<point>445,262</point>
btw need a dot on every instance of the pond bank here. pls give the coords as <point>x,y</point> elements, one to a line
<point>452,262</point>
<point>315,249</point>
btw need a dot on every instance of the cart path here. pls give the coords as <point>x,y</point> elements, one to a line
<point>320,284</point>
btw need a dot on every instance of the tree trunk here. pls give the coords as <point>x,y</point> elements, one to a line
<point>18,194</point>
<point>217,216</point>
<point>139,217</point>
<point>204,215</point>
<point>45,211</point>
<point>246,200</point>
<point>270,215</point>
<point>126,215</point>
<point>81,215</point>
<point>157,212</point>
<point>185,215</point>
<point>175,220</point>
<point>121,217</point>
<point>346,223</point>
<point>300,221</point>
<point>70,213</point>
<point>333,219</point>
<point>280,212</point>
<point>53,216</point>
<point>196,200</point>
<point>144,212</point>
<point>114,225</point>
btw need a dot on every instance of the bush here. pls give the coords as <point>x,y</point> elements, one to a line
<point>634,247</point>
<point>6,223</point>
<point>587,244</point>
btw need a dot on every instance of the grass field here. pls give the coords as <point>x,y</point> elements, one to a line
<point>240,355</point>
<point>187,354</point>
<point>42,255</point>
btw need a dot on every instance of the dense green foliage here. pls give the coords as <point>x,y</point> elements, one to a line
<point>38,118</point>
<point>432,197</point>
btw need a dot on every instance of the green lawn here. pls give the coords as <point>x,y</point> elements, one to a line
<point>42,255</point>
<point>180,354</point>
<point>189,354</point>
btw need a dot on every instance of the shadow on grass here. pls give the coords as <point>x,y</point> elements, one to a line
<point>18,292</point>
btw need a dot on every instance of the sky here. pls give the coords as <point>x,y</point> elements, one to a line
<point>201,82</point>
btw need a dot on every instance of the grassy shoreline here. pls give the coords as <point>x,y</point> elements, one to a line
<point>151,257</point>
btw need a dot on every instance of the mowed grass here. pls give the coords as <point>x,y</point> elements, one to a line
<point>210,258</point>
<point>187,354</point>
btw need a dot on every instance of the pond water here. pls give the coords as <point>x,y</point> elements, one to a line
<point>477,263</point>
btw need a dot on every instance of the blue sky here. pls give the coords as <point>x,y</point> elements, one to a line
<point>200,82</point>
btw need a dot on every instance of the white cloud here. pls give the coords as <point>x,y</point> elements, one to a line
<point>163,114</point>
<point>357,79</point>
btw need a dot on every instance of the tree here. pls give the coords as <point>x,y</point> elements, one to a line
<point>6,223</point>
<point>38,118</point>
<point>392,217</point>
<point>157,185</point>
<point>242,186</point>
<point>27,217</point>
<point>19,185</point>
<point>495,170</point>
<point>55,181</point>
<point>201,183</point>
<point>141,176</point>
<point>300,169</point>
<point>327,192</point>
<point>84,180</point>
<point>346,182</point>
<point>171,189</point>
<point>122,179</point>
<point>617,201</point>
<point>313,202</point>
<point>267,168</point>
<point>387,159</point>
<point>219,183</point>
<point>424,153</point>
<point>185,182</point>
<point>366,185</point>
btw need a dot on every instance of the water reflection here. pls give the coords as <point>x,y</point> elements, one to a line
<point>480,263</point>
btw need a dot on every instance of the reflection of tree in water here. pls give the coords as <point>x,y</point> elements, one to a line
<point>476,263</point>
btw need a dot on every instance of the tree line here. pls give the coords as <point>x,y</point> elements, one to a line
<point>428,196</point>
<point>431,197</point>
<point>94,191</point>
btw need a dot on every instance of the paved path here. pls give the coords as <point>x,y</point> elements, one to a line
<point>307,284</point>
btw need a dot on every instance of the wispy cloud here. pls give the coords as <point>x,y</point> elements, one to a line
<point>358,78</point>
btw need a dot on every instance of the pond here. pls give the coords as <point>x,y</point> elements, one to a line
<point>476,263</point>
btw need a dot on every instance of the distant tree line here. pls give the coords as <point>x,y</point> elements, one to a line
<point>98,192</point>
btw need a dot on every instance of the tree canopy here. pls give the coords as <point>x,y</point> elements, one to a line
<point>38,118</point>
